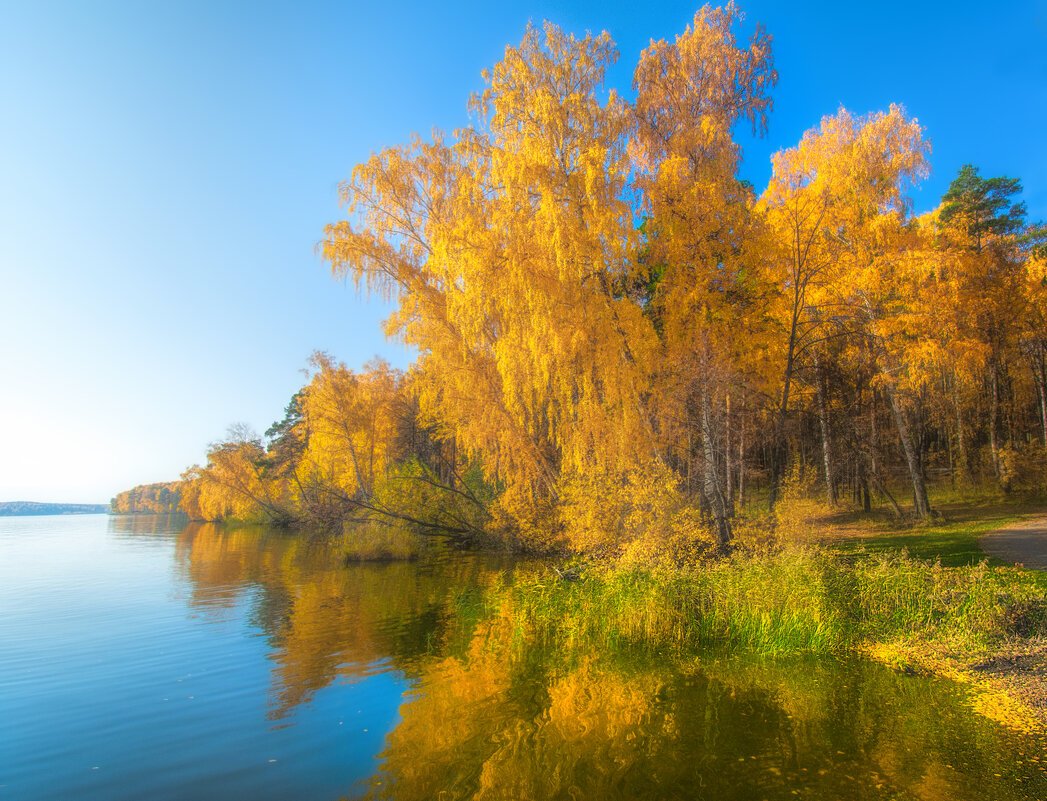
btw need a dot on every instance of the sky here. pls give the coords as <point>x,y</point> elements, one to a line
<point>166,171</point>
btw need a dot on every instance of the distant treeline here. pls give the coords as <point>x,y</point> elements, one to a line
<point>21,508</point>
<point>149,499</point>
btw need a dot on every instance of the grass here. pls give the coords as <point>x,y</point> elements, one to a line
<point>953,540</point>
<point>810,580</point>
<point>952,537</point>
<point>805,581</point>
<point>795,600</point>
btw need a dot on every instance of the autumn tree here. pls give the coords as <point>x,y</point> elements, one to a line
<point>617,335</point>
<point>233,484</point>
<point>839,207</point>
<point>509,251</point>
<point>700,234</point>
<point>1034,337</point>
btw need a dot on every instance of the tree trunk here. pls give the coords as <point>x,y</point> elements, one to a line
<point>1042,386</point>
<point>874,435</point>
<point>690,461</point>
<point>1040,373</point>
<point>921,504</point>
<point>861,484</point>
<point>779,451</point>
<point>994,416</point>
<point>823,422</point>
<point>949,451</point>
<point>741,457</point>
<point>711,485</point>
<point>453,466</point>
<point>886,493</point>
<point>727,454</point>
<point>961,439</point>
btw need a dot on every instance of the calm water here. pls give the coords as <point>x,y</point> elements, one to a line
<point>140,658</point>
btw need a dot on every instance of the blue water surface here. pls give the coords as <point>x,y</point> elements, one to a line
<point>119,681</point>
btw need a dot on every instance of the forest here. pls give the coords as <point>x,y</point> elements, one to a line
<point>624,349</point>
<point>164,498</point>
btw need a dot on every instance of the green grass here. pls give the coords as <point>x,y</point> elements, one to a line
<point>954,542</point>
<point>792,601</point>
<point>953,536</point>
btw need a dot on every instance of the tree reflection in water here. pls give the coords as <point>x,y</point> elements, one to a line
<point>493,715</point>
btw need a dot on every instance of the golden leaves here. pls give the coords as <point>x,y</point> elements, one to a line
<point>587,280</point>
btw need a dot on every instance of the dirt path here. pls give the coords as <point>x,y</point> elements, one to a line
<point>1024,542</point>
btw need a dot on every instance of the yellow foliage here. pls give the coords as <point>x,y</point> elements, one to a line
<point>149,499</point>
<point>614,330</point>
<point>231,486</point>
<point>352,422</point>
<point>1023,468</point>
<point>643,517</point>
<point>505,250</point>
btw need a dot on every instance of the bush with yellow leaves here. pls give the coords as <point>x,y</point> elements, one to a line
<point>1023,468</point>
<point>641,516</point>
<point>798,507</point>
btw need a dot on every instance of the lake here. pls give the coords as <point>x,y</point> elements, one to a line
<point>142,657</point>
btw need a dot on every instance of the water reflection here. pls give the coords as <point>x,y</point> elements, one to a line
<point>146,526</point>
<point>492,716</point>
<point>326,620</point>
<point>487,727</point>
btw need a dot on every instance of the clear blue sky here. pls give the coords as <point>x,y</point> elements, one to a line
<point>166,171</point>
